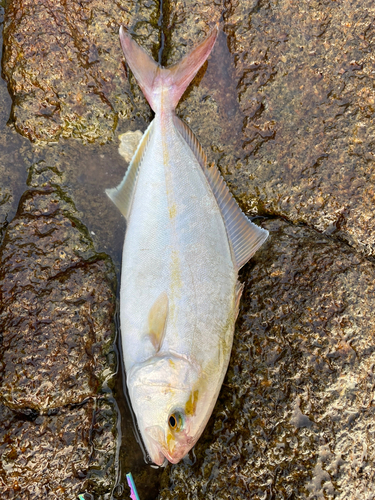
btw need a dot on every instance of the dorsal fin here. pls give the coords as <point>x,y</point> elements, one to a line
<point>122,195</point>
<point>191,140</point>
<point>244,236</point>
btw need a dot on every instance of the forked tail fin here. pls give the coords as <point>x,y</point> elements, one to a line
<point>164,86</point>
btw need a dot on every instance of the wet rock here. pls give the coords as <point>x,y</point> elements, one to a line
<point>57,304</point>
<point>55,456</point>
<point>320,114</point>
<point>45,456</point>
<point>65,68</point>
<point>56,332</point>
<point>83,173</point>
<point>184,24</point>
<point>286,107</point>
<point>287,94</point>
<point>12,148</point>
<point>58,433</point>
<point>13,179</point>
<point>296,415</point>
<point>104,448</point>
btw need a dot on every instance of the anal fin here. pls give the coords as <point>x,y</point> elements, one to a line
<point>244,236</point>
<point>122,195</point>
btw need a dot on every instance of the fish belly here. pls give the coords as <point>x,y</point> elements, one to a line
<point>176,243</point>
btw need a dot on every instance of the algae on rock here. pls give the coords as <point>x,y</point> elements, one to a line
<point>57,357</point>
<point>64,67</point>
<point>295,417</point>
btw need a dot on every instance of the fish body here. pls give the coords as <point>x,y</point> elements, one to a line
<point>176,244</point>
<point>185,241</point>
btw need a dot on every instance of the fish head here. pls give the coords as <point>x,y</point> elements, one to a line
<point>170,439</point>
<point>171,411</point>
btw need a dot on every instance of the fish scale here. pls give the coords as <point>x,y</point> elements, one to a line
<point>185,241</point>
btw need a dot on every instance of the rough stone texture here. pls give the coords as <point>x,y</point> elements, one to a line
<point>285,107</point>
<point>103,464</point>
<point>292,98</point>
<point>313,78</point>
<point>296,415</point>
<point>58,430</point>
<point>186,23</point>
<point>47,456</point>
<point>57,306</point>
<point>65,68</point>
<point>56,329</point>
<point>12,148</point>
<point>55,456</point>
<point>83,173</point>
<point>287,112</point>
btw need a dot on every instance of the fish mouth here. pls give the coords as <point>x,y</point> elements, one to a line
<point>155,452</point>
<point>155,436</point>
<point>175,458</point>
<point>159,452</point>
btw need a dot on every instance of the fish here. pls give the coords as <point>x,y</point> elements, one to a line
<point>186,239</point>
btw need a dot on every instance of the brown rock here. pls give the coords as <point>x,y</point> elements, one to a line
<point>12,147</point>
<point>65,68</point>
<point>104,450</point>
<point>56,318</point>
<point>57,306</point>
<point>296,416</point>
<point>285,107</point>
<point>55,457</point>
<point>47,457</point>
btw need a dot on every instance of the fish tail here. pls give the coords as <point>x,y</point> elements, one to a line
<point>163,87</point>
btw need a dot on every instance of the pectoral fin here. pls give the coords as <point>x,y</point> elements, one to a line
<point>157,319</point>
<point>244,236</point>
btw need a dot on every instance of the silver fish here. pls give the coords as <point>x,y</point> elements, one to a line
<point>186,240</point>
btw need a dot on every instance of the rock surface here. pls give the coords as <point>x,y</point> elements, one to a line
<point>285,107</point>
<point>57,456</point>
<point>57,306</point>
<point>296,414</point>
<point>58,426</point>
<point>292,98</point>
<point>65,69</point>
<point>47,456</point>
<point>58,420</point>
<point>12,149</point>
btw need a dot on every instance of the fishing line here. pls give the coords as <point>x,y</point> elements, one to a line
<point>162,34</point>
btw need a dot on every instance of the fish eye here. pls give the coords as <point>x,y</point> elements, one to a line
<point>176,421</point>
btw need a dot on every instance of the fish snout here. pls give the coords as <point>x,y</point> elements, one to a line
<point>180,448</point>
<point>173,450</point>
